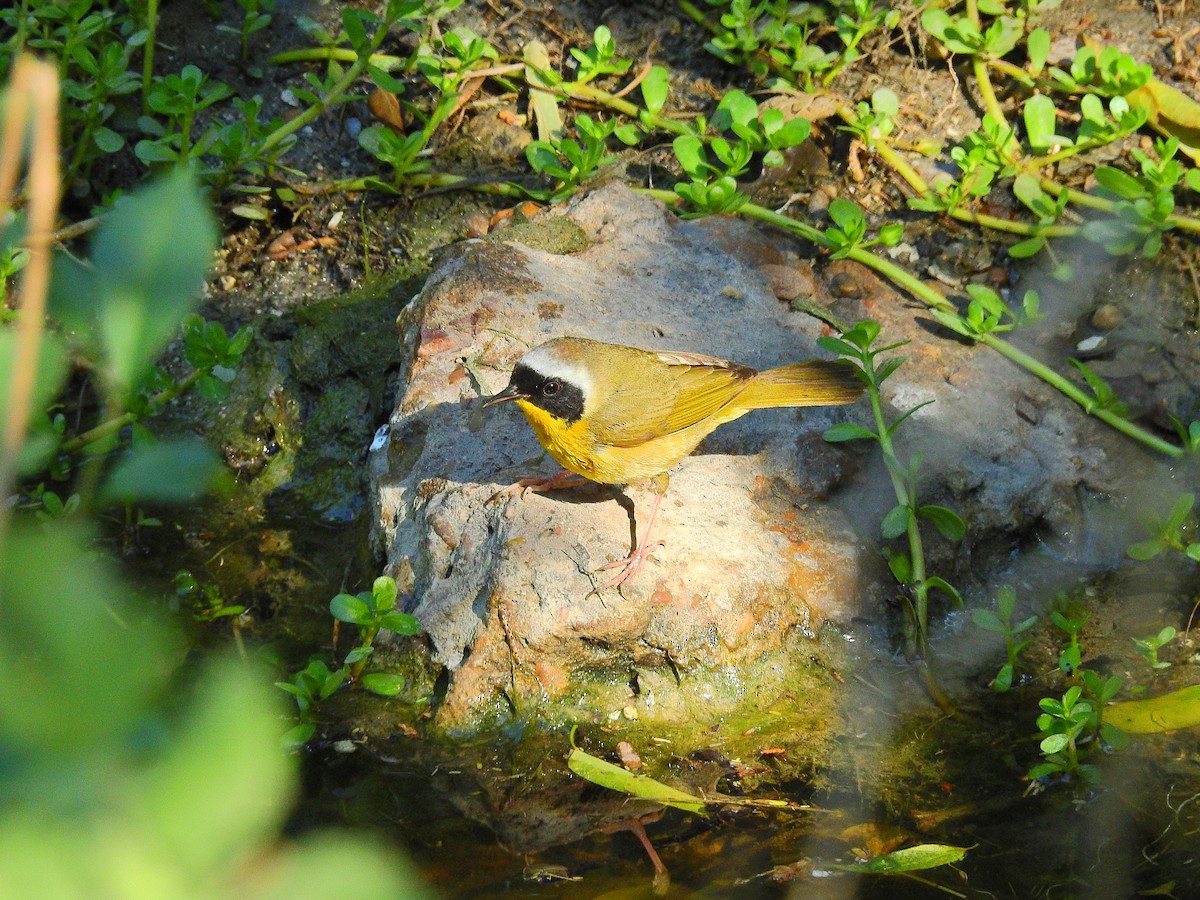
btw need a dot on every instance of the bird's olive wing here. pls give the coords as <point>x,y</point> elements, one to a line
<point>674,396</point>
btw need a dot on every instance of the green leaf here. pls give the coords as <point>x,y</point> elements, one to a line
<point>1115,737</point>
<point>886,102</point>
<point>348,608</point>
<point>909,859</point>
<point>895,522</point>
<point>1119,183</point>
<point>1037,45</point>
<point>941,584</point>
<point>230,723</point>
<point>401,623</point>
<point>1166,712</point>
<point>613,777</point>
<point>1004,679</point>
<point>655,88</point>
<point>899,564</point>
<point>297,737</point>
<point>383,683</point>
<point>1043,769</point>
<point>1147,549</point>
<point>1040,121</point>
<point>987,620</point>
<point>358,654</point>
<point>250,211</point>
<point>107,139</point>
<point>384,591</point>
<point>172,471</point>
<point>1179,512</point>
<point>689,150</point>
<point>847,431</point>
<point>848,216</point>
<point>150,256</point>
<point>352,21</point>
<point>945,521</point>
<point>1055,743</point>
<point>838,346</point>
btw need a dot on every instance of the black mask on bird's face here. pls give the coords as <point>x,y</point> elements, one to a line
<point>554,394</point>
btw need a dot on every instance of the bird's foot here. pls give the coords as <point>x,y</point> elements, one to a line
<point>540,483</point>
<point>557,481</point>
<point>627,567</point>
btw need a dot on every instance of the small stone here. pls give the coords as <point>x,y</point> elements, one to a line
<point>628,756</point>
<point>843,284</point>
<point>1106,317</point>
<point>630,712</point>
<point>1091,344</point>
<point>790,282</point>
<point>476,224</point>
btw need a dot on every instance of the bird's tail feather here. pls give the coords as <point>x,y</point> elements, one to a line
<point>813,383</point>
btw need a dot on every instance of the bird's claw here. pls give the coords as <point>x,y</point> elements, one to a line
<point>628,566</point>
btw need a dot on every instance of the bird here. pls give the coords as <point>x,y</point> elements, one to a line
<point>618,415</point>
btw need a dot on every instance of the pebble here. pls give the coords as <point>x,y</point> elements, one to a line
<point>1106,317</point>
<point>844,284</point>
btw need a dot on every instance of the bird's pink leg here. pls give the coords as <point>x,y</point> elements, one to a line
<point>630,564</point>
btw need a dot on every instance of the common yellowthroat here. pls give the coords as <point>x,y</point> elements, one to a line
<point>617,414</point>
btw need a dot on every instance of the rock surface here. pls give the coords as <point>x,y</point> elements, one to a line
<point>768,530</point>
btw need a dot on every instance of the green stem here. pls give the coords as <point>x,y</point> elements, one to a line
<point>580,91</point>
<point>341,54</point>
<point>115,424</point>
<point>148,52</point>
<point>696,15</point>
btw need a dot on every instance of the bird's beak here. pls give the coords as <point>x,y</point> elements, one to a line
<point>512,392</point>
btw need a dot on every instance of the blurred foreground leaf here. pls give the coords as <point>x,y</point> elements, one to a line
<point>124,774</point>
<point>148,262</point>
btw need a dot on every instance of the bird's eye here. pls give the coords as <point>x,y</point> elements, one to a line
<point>551,387</point>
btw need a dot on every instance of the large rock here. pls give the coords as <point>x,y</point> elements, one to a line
<point>503,583</point>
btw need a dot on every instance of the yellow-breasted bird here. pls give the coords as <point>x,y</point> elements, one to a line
<point>617,414</point>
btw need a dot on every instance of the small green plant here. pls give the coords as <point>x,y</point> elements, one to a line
<point>1143,204</point>
<point>178,99</point>
<point>849,230</point>
<point>600,59</point>
<point>857,347</point>
<point>1071,622</point>
<point>571,162</point>
<point>204,600</point>
<point>1177,531</point>
<point>308,687</point>
<point>1149,646</point>
<point>256,15</point>
<point>370,611</point>
<point>964,37</point>
<point>875,121</point>
<point>743,134</point>
<point>1001,622</point>
<point>1103,395</point>
<point>1071,727</point>
<point>775,35</point>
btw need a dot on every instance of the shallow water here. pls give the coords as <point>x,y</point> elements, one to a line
<point>902,774</point>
